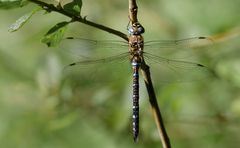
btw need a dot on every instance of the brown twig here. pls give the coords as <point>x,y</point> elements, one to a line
<point>50,7</point>
<point>155,108</point>
<point>133,9</point>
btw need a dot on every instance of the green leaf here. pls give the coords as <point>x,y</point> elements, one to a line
<point>24,2</point>
<point>21,21</point>
<point>72,6</point>
<point>54,36</point>
<point>9,4</point>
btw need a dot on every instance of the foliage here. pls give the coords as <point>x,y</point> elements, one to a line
<point>54,36</point>
<point>21,21</point>
<point>9,4</point>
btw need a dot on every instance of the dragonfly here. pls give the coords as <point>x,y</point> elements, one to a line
<point>136,54</point>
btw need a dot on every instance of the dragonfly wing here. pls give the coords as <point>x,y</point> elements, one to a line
<point>170,70</point>
<point>108,60</point>
<point>93,48</point>
<point>193,42</point>
<point>183,48</point>
<point>103,70</point>
<point>94,60</point>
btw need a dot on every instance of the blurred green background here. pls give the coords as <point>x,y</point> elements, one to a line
<point>42,107</point>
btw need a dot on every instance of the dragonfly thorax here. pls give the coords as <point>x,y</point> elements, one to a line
<point>136,45</point>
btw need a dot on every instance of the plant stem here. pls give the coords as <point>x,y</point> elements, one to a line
<point>50,7</point>
<point>133,9</point>
<point>155,108</point>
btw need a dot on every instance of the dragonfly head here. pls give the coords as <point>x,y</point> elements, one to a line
<point>136,29</point>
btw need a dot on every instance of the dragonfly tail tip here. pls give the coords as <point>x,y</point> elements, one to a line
<point>69,37</point>
<point>72,64</point>
<point>201,37</point>
<point>135,138</point>
<point>200,65</point>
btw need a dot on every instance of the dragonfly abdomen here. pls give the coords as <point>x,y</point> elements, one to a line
<point>135,97</point>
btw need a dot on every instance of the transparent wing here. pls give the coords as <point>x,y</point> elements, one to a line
<point>188,42</point>
<point>117,58</point>
<point>168,70</point>
<point>183,48</point>
<point>97,55</point>
<point>93,48</point>
<point>93,60</point>
<point>99,43</point>
<point>100,71</point>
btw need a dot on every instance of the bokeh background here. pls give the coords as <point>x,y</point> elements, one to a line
<point>42,106</point>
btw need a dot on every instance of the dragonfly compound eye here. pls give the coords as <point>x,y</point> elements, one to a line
<point>136,29</point>
<point>140,29</point>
